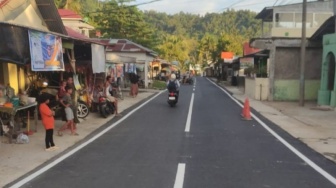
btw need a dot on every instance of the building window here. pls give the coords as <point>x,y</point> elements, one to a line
<point>284,20</point>
<point>294,20</point>
<point>309,19</point>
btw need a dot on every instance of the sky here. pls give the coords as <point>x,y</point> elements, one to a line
<point>207,6</point>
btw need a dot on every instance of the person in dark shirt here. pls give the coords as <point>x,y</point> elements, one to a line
<point>134,79</point>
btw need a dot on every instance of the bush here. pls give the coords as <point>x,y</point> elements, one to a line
<point>157,84</point>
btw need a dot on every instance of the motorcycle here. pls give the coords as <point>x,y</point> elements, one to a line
<point>105,106</point>
<point>82,107</point>
<point>172,98</point>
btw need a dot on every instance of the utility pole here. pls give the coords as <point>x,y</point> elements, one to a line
<point>303,53</point>
<point>335,13</point>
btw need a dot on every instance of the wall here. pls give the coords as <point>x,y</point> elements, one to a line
<point>257,88</point>
<point>78,26</point>
<point>10,75</point>
<point>287,65</point>
<point>261,89</point>
<point>250,87</point>
<point>291,32</point>
<point>287,73</point>
<point>288,90</point>
<point>327,96</point>
<point>313,21</point>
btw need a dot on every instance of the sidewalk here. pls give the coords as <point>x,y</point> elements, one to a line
<point>17,160</point>
<point>314,126</point>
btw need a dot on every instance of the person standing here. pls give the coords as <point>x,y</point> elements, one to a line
<point>48,121</point>
<point>67,102</point>
<point>61,91</point>
<point>134,84</point>
<point>70,83</point>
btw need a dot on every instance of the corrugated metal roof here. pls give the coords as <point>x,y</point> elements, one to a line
<point>124,45</point>
<point>68,14</point>
<point>51,17</point>
<point>79,37</point>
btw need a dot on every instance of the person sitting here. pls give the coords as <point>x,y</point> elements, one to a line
<point>107,93</point>
<point>173,85</point>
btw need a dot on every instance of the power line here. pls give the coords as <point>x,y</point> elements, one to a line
<point>145,3</point>
<point>275,2</point>
<point>237,4</point>
<point>233,4</point>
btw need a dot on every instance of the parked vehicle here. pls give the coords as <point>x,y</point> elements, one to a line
<point>82,108</point>
<point>105,106</point>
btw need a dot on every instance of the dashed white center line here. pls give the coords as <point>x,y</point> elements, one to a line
<point>179,176</point>
<point>187,128</point>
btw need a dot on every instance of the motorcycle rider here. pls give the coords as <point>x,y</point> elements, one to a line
<point>175,81</point>
<point>107,93</point>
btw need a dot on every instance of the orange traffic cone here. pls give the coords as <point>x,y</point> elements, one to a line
<point>246,110</point>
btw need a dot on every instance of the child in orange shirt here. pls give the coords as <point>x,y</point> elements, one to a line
<point>48,122</point>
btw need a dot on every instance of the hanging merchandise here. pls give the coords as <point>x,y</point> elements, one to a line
<point>125,68</point>
<point>120,72</point>
<point>110,70</point>
<point>76,82</point>
<point>131,68</point>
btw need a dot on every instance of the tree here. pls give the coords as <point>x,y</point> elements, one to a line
<point>175,48</point>
<point>116,20</point>
<point>206,49</point>
<point>74,5</point>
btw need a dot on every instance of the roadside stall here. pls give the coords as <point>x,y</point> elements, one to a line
<point>26,51</point>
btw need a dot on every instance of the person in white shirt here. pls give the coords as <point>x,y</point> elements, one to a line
<point>108,91</point>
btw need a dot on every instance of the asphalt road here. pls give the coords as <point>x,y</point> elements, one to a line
<point>201,143</point>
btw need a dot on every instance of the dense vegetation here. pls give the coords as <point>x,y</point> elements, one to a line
<point>186,38</point>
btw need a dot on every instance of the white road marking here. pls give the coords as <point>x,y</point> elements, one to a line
<point>187,128</point>
<point>179,175</point>
<point>284,142</point>
<point>73,151</point>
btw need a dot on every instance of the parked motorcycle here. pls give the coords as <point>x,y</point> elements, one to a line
<point>172,98</point>
<point>105,106</point>
<point>82,108</point>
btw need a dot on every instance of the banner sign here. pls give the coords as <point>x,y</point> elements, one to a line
<point>45,51</point>
<point>246,62</point>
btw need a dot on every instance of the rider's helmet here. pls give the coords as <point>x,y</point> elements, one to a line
<point>172,76</point>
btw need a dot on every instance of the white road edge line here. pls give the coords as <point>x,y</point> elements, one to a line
<point>180,175</point>
<point>284,142</point>
<point>187,128</point>
<point>71,152</point>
